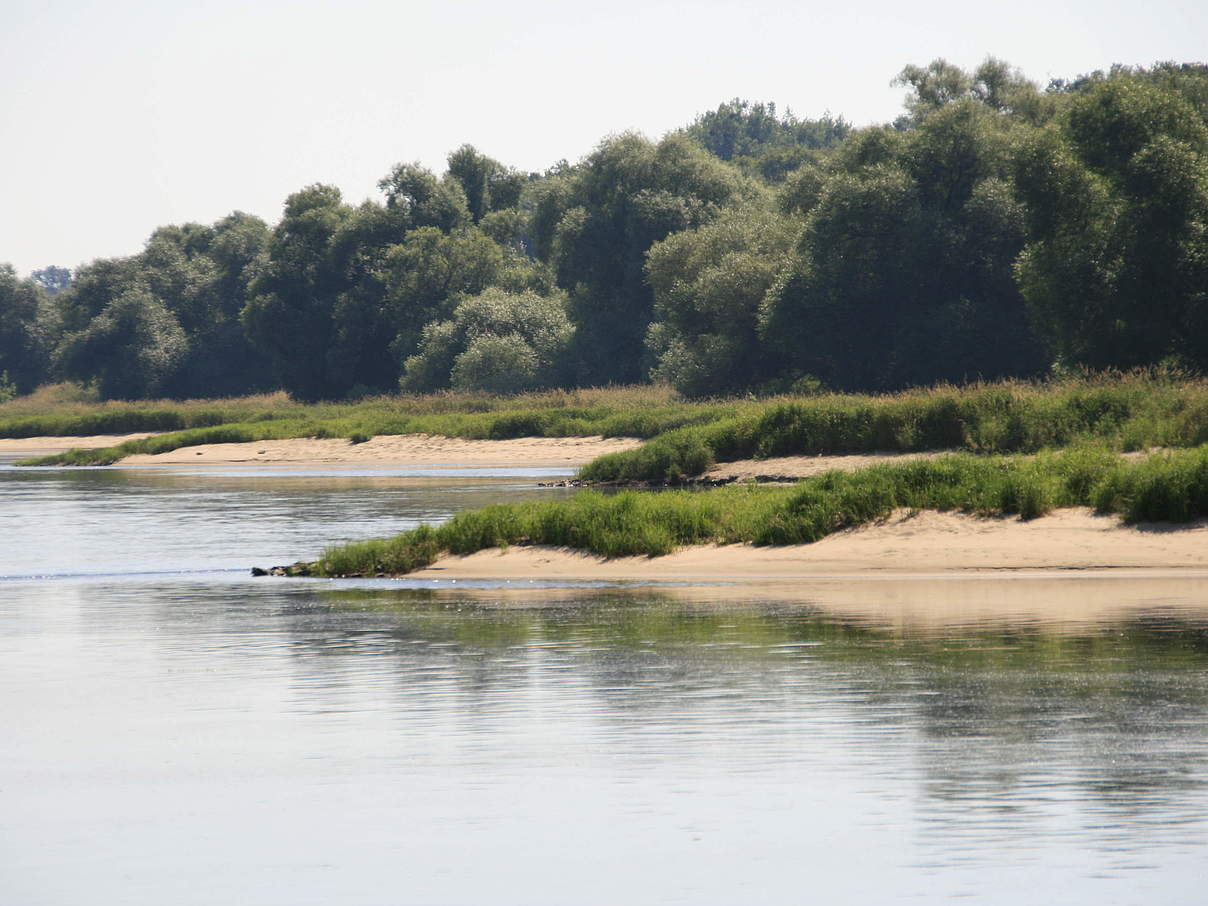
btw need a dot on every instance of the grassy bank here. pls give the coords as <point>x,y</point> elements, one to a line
<point>617,412</point>
<point>1167,487</point>
<point>1123,412</point>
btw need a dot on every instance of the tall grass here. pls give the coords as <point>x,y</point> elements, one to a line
<point>64,409</point>
<point>1169,486</point>
<point>1124,412</point>
<point>615,413</point>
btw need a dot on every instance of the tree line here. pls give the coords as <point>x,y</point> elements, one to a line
<point>994,229</point>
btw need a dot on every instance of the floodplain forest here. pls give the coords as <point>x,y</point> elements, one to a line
<point>997,229</point>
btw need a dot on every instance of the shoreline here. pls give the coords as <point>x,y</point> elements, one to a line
<point>387,451</point>
<point>49,444</point>
<point>927,544</point>
<point>395,450</point>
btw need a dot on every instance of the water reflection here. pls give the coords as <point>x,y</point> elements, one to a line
<point>115,521</point>
<point>1003,731</point>
<point>201,738</point>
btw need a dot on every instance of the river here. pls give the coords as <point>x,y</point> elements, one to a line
<point>176,731</point>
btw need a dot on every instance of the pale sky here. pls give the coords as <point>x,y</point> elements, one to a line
<point>123,115</point>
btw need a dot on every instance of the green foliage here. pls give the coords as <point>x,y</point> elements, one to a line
<point>53,279</point>
<point>132,348</point>
<point>290,316</point>
<point>496,341</point>
<point>994,230</point>
<point>488,185</point>
<point>708,286</point>
<point>191,279</point>
<point>994,84</point>
<point>428,273</point>
<point>624,197</point>
<point>903,273</point>
<point>755,137</point>
<point>24,352</point>
<point>1125,413</point>
<point>416,198</point>
<point>1117,198</point>
<point>1166,487</point>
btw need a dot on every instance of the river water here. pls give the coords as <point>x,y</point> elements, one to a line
<point>178,732</point>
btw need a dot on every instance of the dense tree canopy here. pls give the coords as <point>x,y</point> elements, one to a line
<point>24,346</point>
<point>180,300</point>
<point>903,272</point>
<point>709,284</point>
<point>995,228</point>
<point>498,341</point>
<point>1117,193</point>
<point>627,195</point>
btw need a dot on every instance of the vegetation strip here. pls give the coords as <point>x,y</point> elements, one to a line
<point>621,412</point>
<point>1171,486</point>
<point>1124,412</point>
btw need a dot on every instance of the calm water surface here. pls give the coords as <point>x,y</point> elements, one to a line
<point>177,732</point>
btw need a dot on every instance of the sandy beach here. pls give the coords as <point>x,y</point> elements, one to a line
<point>44,446</point>
<point>387,451</point>
<point>398,450</point>
<point>923,544</point>
<point>791,468</point>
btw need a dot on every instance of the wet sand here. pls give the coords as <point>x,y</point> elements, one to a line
<point>387,451</point>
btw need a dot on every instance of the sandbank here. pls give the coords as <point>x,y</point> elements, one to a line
<point>791,468</point>
<point>32,446</point>
<point>395,451</point>
<point>919,545</point>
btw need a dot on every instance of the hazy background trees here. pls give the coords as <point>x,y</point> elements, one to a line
<point>498,341</point>
<point>1116,192</point>
<point>996,228</point>
<point>24,343</point>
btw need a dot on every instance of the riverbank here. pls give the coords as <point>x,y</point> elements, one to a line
<point>48,446</point>
<point>907,544</point>
<point>396,450</point>
<point>685,438</point>
<point>1166,487</point>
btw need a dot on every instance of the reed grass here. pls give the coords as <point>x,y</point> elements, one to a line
<point>621,412</point>
<point>1122,411</point>
<point>1168,486</point>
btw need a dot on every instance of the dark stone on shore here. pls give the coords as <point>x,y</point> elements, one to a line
<point>651,484</point>
<point>294,569</point>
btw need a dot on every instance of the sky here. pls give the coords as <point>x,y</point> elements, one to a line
<point>118,116</point>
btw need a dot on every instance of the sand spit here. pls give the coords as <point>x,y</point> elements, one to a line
<point>397,450</point>
<point>791,468</point>
<point>45,446</point>
<point>905,545</point>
